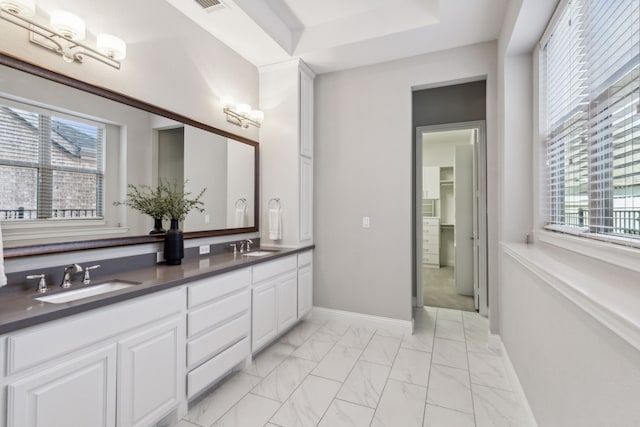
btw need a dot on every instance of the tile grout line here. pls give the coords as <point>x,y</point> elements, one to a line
<point>433,345</point>
<point>473,403</point>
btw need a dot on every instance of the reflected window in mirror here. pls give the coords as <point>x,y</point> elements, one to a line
<point>51,164</point>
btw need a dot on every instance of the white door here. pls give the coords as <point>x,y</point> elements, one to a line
<point>80,392</point>
<point>306,198</point>
<point>287,300</point>
<point>264,320</point>
<point>305,290</point>
<point>463,232</point>
<point>476,225</point>
<point>148,381</point>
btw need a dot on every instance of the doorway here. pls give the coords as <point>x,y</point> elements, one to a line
<point>450,224</point>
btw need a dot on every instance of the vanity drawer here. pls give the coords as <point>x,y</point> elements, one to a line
<point>430,221</point>
<point>216,340</point>
<point>432,259</point>
<point>208,289</point>
<point>430,249</point>
<point>431,239</point>
<point>212,314</point>
<point>38,344</point>
<point>210,371</point>
<point>274,268</point>
<point>430,230</point>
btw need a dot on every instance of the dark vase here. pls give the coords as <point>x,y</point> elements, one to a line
<point>157,227</point>
<point>173,245</point>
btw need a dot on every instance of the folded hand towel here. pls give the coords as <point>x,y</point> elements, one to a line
<point>241,216</point>
<point>275,224</point>
<point>3,277</point>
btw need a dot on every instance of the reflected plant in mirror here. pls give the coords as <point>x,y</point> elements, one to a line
<point>148,201</point>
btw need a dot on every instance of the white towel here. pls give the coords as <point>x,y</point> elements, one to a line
<point>3,277</point>
<point>275,224</point>
<point>241,216</point>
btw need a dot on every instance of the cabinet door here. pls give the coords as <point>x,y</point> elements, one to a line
<point>305,290</point>
<point>306,198</point>
<point>287,300</point>
<point>264,320</point>
<point>306,115</point>
<point>79,392</point>
<point>431,182</point>
<point>148,378</point>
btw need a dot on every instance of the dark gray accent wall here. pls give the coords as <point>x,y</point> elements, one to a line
<point>450,104</point>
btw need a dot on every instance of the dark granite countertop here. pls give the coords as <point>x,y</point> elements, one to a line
<point>20,309</point>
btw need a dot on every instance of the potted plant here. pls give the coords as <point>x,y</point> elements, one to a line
<point>149,201</point>
<point>177,204</point>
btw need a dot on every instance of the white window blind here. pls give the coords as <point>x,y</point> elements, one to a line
<point>591,70</point>
<point>51,164</point>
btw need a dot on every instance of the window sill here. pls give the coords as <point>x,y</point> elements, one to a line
<point>606,292</point>
<point>619,255</point>
<point>56,229</point>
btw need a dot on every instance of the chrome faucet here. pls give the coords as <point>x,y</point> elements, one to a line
<point>66,278</point>
<point>87,277</point>
<point>249,243</point>
<point>235,247</point>
<point>42,284</point>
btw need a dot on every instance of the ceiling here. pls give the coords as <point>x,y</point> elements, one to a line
<point>331,35</point>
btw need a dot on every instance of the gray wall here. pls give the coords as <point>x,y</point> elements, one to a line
<point>363,167</point>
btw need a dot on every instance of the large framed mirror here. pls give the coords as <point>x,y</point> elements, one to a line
<point>69,150</point>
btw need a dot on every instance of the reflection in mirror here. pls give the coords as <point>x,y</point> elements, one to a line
<point>66,155</point>
<point>205,160</point>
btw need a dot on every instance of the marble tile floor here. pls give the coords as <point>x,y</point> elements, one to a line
<point>335,374</point>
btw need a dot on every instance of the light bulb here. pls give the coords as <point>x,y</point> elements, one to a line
<point>227,102</point>
<point>69,25</point>
<point>243,109</point>
<point>257,116</point>
<point>111,46</point>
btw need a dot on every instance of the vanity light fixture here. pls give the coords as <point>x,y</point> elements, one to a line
<point>241,114</point>
<point>65,34</point>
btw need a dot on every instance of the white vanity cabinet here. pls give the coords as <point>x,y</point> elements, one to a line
<point>305,283</point>
<point>80,391</point>
<point>148,378</point>
<point>275,299</point>
<point>286,150</point>
<point>115,366</point>
<point>218,327</point>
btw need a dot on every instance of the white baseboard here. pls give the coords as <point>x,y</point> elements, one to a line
<point>389,324</point>
<point>515,382</point>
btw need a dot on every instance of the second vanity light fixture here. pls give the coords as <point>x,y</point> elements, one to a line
<point>64,35</point>
<point>241,114</point>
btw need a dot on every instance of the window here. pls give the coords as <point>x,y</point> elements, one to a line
<point>51,165</point>
<point>591,77</point>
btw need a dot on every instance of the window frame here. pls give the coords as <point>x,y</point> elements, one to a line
<point>611,248</point>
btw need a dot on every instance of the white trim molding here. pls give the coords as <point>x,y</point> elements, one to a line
<point>611,299</point>
<point>385,323</point>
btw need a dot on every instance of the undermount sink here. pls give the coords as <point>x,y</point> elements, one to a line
<point>258,253</point>
<point>90,291</point>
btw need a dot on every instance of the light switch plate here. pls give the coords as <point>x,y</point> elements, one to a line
<point>366,223</point>
<point>204,249</point>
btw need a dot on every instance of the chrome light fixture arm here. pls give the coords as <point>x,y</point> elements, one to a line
<point>71,50</point>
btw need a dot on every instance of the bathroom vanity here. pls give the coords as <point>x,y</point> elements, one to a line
<point>134,356</point>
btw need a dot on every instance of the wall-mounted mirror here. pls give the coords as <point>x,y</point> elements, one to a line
<point>68,150</point>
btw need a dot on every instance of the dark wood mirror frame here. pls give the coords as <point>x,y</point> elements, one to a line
<point>51,248</point>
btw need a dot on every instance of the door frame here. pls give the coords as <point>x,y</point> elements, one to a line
<point>480,196</point>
